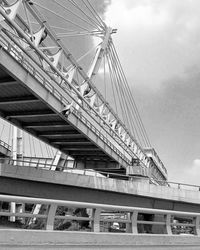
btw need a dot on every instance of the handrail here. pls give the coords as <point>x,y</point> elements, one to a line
<point>129,214</point>
<point>5,145</point>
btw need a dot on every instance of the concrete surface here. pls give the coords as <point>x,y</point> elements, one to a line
<point>141,188</point>
<point>40,183</point>
<point>21,239</point>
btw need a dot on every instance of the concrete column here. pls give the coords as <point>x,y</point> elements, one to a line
<point>17,151</point>
<point>168,224</point>
<point>96,220</point>
<point>51,217</point>
<point>197,225</point>
<point>134,219</point>
<point>12,210</point>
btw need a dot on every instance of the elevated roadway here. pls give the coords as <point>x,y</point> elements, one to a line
<point>41,183</point>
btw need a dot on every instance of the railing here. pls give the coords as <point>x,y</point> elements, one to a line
<point>100,217</point>
<point>179,185</point>
<point>150,152</point>
<point>5,145</point>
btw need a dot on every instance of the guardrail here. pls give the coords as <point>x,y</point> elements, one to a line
<point>5,145</point>
<point>130,219</point>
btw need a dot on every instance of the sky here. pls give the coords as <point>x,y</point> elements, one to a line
<point>158,43</point>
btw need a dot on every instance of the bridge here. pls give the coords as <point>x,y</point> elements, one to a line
<point>116,177</point>
<point>69,115</point>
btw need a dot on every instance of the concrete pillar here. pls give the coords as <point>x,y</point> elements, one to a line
<point>168,224</point>
<point>51,217</point>
<point>197,225</point>
<point>17,152</point>
<point>12,210</point>
<point>96,220</point>
<point>132,227</point>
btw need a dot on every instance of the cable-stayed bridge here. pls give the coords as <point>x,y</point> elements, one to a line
<point>47,92</point>
<point>61,81</point>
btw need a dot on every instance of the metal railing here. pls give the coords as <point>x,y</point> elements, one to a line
<point>5,145</point>
<point>131,219</point>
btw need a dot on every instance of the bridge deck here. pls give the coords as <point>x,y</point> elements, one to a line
<point>34,106</point>
<point>33,182</point>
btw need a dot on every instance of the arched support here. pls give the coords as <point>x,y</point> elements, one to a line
<point>70,74</point>
<point>11,10</point>
<point>54,60</point>
<point>51,217</point>
<point>38,36</point>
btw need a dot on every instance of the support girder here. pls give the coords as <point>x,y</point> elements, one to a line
<point>66,143</point>
<point>56,124</point>
<point>83,153</point>
<point>71,140</point>
<point>67,136</point>
<point>80,148</point>
<point>95,159</point>
<point>30,114</point>
<point>18,100</point>
<point>7,81</point>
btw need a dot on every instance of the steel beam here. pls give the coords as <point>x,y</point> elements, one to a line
<point>18,100</point>
<point>66,143</point>
<point>30,114</point>
<point>7,81</point>
<point>80,149</point>
<point>67,136</point>
<point>55,124</point>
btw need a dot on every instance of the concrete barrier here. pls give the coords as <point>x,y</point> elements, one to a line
<point>21,239</point>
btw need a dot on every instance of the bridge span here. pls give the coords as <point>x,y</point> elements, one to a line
<point>43,183</point>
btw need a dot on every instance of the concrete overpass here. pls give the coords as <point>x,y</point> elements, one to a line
<point>43,183</point>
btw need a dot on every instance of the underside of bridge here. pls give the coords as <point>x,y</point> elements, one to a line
<point>21,107</point>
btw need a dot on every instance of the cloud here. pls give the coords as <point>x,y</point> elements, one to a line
<point>196,165</point>
<point>156,40</point>
<point>193,172</point>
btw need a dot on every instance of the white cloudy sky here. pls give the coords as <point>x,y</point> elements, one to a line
<point>158,42</point>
